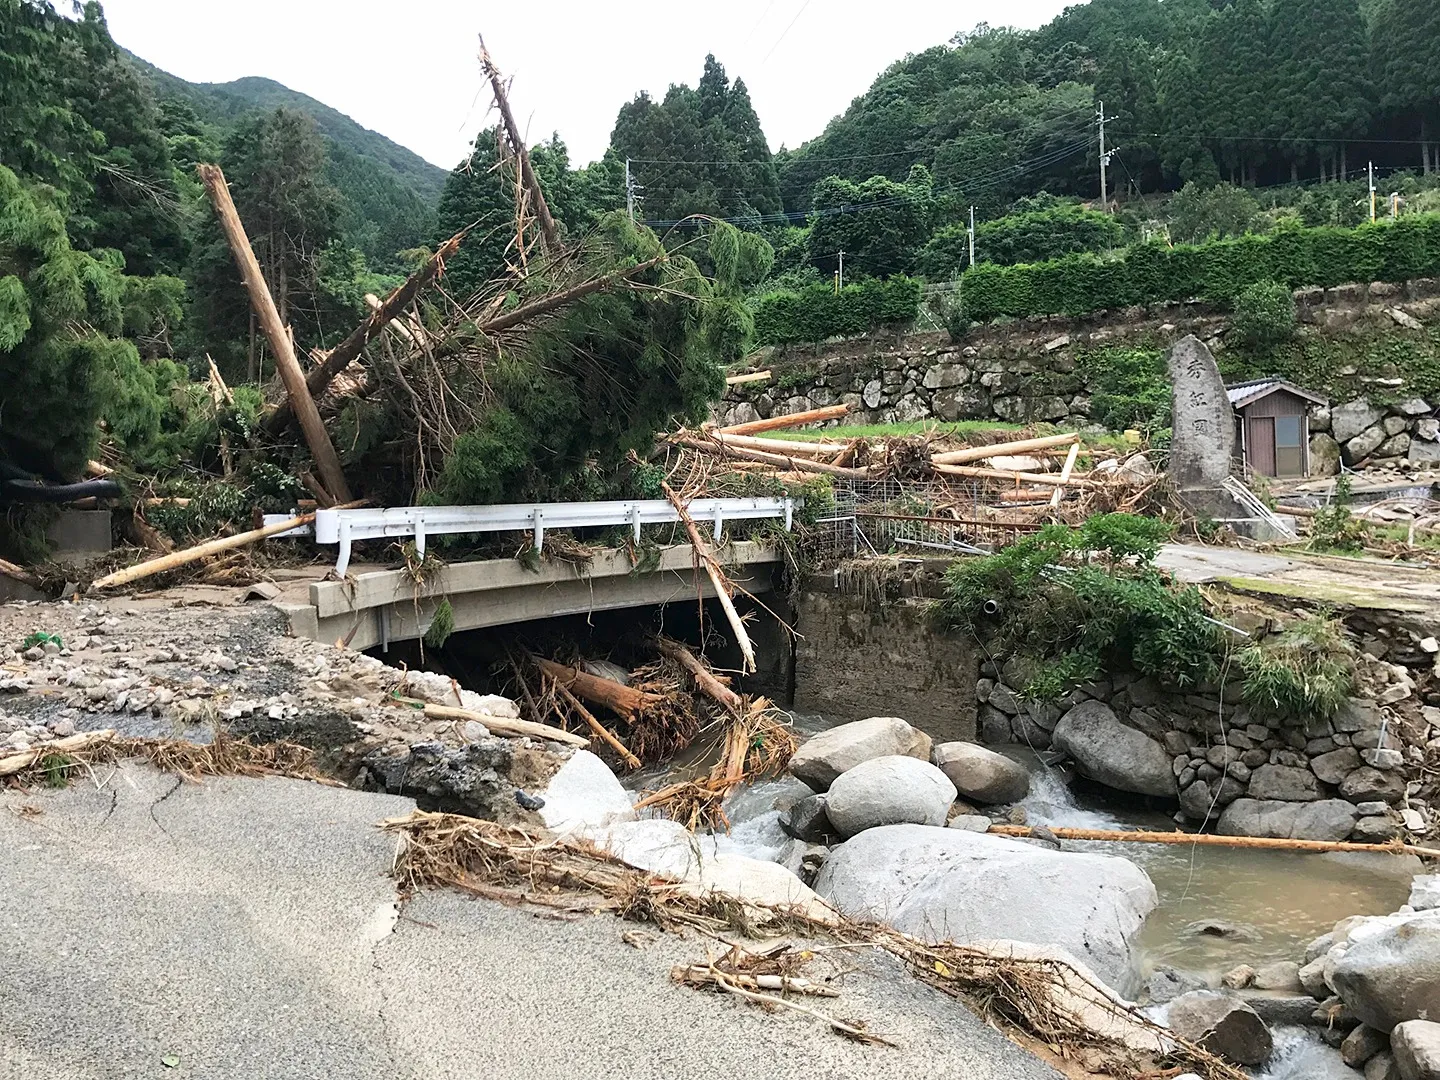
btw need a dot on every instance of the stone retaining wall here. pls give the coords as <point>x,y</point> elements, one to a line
<point>1310,778</point>
<point>1026,371</point>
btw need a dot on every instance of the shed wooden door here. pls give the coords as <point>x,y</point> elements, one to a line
<point>1260,444</point>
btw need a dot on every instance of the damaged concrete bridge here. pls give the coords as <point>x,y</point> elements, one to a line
<point>378,607</point>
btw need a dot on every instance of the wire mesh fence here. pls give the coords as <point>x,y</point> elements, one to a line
<point>888,515</point>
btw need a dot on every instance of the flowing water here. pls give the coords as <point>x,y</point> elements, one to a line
<point>1276,902</point>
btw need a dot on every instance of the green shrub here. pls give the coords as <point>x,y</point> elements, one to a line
<point>1309,670</point>
<point>1152,272</point>
<point>819,312</point>
<point>1129,388</point>
<point>1078,602</point>
<point>1334,528</point>
<point>1264,314</point>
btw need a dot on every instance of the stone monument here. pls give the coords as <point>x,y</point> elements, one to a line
<point>1202,441</point>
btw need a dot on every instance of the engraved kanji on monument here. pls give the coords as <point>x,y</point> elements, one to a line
<point>1202,442</point>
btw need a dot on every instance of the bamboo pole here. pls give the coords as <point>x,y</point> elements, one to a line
<point>20,574</point>
<point>775,423</point>
<point>618,698</point>
<point>1271,843</point>
<point>548,228</point>
<point>780,461</point>
<point>980,453</point>
<point>340,357</point>
<point>605,734</point>
<point>781,446</point>
<point>316,437</point>
<point>1052,479</point>
<point>201,551</point>
<point>754,376</point>
<point>704,678</point>
<point>717,578</point>
<point>11,764</point>
<point>1065,472</point>
<point>502,725</point>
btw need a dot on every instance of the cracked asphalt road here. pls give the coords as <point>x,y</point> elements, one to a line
<point>247,928</point>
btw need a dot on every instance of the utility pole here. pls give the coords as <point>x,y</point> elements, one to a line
<point>1372,193</point>
<point>972,236</point>
<point>629,193</point>
<point>840,273</point>
<point>1104,160</point>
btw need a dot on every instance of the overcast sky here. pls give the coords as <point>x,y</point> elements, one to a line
<point>408,69</point>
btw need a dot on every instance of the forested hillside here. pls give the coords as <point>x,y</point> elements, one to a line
<point>389,193</point>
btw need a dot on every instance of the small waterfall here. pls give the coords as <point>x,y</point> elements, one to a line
<point>1051,802</point>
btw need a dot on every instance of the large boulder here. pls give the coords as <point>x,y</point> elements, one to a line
<point>825,756</point>
<point>1223,1024</point>
<point>981,774</point>
<point>1416,1046</point>
<point>1324,455</point>
<point>1371,785</point>
<point>951,885</point>
<point>1327,819</point>
<point>893,790</point>
<point>1353,417</point>
<point>584,795</point>
<point>1113,754</point>
<point>1392,976</point>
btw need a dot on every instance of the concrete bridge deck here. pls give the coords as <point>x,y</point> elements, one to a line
<point>377,607</point>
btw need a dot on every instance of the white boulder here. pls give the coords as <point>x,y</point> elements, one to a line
<point>584,795</point>
<point>825,756</point>
<point>952,885</point>
<point>1389,977</point>
<point>891,790</point>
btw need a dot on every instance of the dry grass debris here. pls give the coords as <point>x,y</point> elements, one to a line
<point>1019,994</point>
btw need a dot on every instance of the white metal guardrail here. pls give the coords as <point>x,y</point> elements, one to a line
<point>344,527</point>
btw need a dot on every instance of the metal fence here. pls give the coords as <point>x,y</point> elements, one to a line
<point>884,516</point>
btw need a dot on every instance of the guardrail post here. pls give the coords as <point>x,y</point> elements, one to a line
<point>538,517</point>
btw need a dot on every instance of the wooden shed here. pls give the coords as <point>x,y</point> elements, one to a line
<point>1272,426</point>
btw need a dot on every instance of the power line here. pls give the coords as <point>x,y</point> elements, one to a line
<point>781,38</point>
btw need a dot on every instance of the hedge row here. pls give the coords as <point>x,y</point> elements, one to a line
<point>818,312</point>
<point>1149,273</point>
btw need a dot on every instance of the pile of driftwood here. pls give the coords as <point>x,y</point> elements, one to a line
<point>1020,468</point>
<point>655,712</point>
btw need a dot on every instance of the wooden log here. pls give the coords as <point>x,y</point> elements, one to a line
<point>776,423</point>
<point>1023,446</point>
<point>548,228</point>
<point>624,700</point>
<point>316,437</point>
<point>20,574</point>
<point>704,678</point>
<point>751,377</point>
<point>780,461</point>
<point>782,446</point>
<point>1049,479</point>
<point>1065,472</point>
<point>96,471</point>
<point>11,764</point>
<point>341,357</point>
<point>605,734</point>
<point>1212,840</point>
<point>699,975</point>
<point>503,725</point>
<point>717,578</point>
<point>202,551</point>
